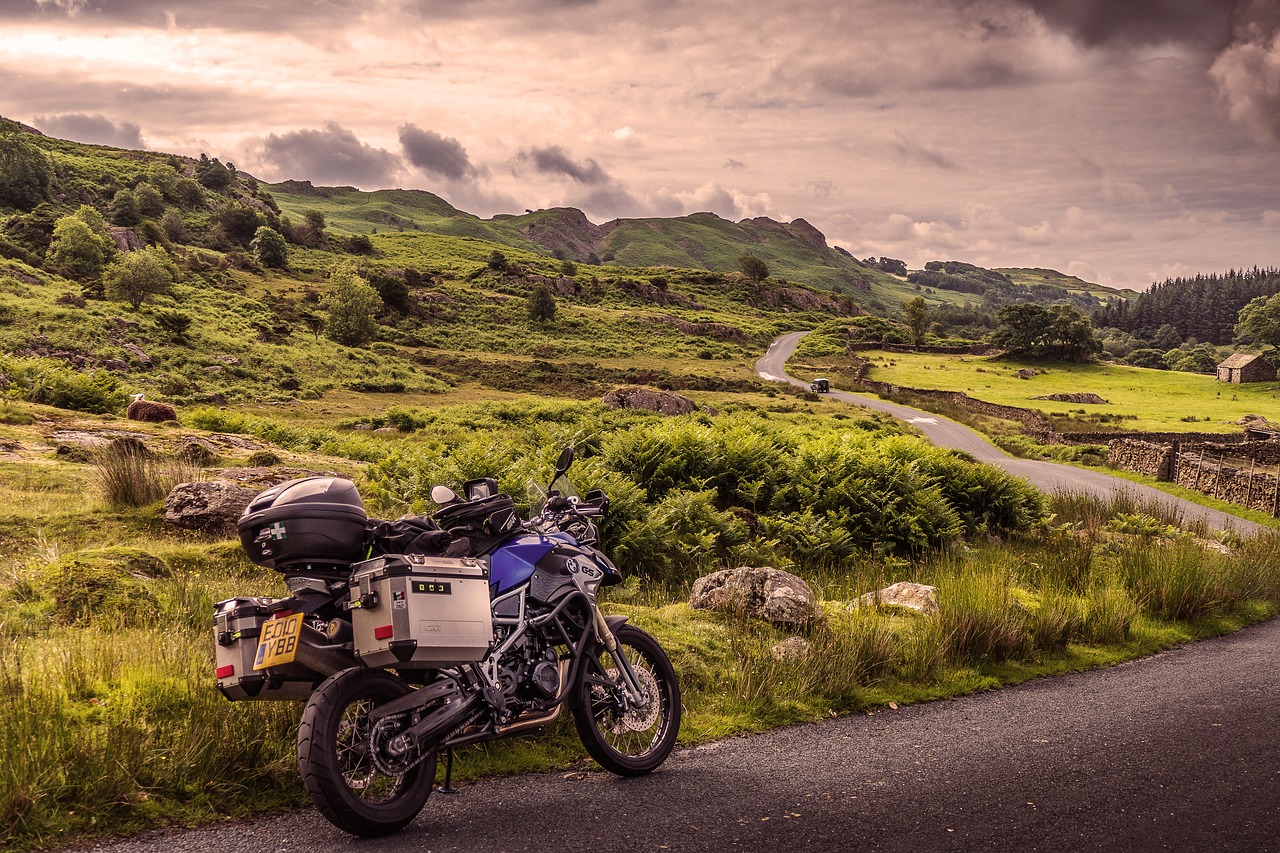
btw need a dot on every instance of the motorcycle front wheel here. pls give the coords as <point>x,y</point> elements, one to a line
<point>625,738</point>
<point>338,770</point>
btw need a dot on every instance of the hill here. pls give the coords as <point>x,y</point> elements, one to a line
<point>232,323</point>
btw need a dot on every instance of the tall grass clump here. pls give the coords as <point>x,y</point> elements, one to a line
<point>1177,582</point>
<point>129,475</point>
<point>981,619</point>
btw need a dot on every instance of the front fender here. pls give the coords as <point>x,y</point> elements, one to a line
<point>588,653</point>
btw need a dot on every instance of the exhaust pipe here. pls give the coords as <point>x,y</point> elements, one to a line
<point>317,655</point>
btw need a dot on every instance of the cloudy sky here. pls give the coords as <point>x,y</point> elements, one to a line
<point>1120,140</point>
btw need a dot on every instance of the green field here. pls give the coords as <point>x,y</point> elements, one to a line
<point>1157,400</point>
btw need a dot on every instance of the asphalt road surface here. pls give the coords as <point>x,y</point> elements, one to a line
<point>1174,752</point>
<point>1046,476</point>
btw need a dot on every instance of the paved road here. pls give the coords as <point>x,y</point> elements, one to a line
<point>1173,752</point>
<point>1046,476</point>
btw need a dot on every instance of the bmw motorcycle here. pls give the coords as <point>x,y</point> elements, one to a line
<point>408,655</point>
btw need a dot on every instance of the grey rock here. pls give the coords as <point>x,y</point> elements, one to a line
<point>792,648</point>
<point>777,597</point>
<point>650,400</point>
<point>913,596</point>
<point>208,507</point>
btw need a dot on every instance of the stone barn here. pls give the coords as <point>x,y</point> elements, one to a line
<point>1246,367</point>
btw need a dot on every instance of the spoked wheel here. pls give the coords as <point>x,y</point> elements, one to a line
<point>356,790</point>
<point>627,738</point>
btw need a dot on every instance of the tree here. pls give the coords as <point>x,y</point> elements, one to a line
<point>138,275</point>
<point>351,304</point>
<point>916,315</point>
<point>568,268</point>
<point>175,323</point>
<point>25,173</point>
<point>240,222</point>
<point>76,249</point>
<point>150,200</point>
<point>212,174</point>
<point>314,322</point>
<point>497,261</point>
<point>1034,331</point>
<point>269,247</point>
<point>173,225</point>
<point>124,208</point>
<point>542,305</point>
<point>753,268</point>
<point>1259,321</point>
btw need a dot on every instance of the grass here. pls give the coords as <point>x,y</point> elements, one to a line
<point>106,631</point>
<point>1138,398</point>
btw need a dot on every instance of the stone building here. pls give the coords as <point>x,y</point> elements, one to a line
<point>1246,367</point>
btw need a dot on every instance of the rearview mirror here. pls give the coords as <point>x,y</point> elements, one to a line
<point>443,495</point>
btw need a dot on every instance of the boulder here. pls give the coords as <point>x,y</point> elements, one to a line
<point>792,648</point>
<point>650,400</point>
<point>208,507</point>
<point>777,597</point>
<point>913,596</point>
<point>1026,373</point>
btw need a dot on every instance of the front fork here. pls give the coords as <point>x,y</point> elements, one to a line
<point>631,685</point>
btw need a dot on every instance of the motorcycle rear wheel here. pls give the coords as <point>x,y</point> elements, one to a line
<point>333,757</point>
<point>626,740</point>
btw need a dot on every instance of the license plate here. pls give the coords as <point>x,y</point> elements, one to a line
<point>278,644</point>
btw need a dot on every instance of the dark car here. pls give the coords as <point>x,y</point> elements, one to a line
<point>820,386</point>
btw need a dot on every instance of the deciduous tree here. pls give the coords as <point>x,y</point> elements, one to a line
<point>138,275</point>
<point>1259,321</point>
<point>351,304</point>
<point>542,305</point>
<point>916,314</point>
<point>269,247</point>
<point>753,268</point>
<point>25,173</point>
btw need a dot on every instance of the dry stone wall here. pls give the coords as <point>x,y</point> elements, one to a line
<point>1143,457</point>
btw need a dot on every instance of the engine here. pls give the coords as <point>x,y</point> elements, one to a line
<point>529,673</point>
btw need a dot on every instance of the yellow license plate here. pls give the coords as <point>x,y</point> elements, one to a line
<point>278,644</point>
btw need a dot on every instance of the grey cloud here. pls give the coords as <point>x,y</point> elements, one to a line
<point>1207,23</point>
<point>93,129</point>
<point>551,160</point>
<point>332,155</point>
<point>909,150</point>
<point>1248,78</point>
<point>432,152</point>
<point>734,165</point>
<point>238,15</point>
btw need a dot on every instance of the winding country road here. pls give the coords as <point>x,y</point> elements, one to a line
<point>1046,476</point>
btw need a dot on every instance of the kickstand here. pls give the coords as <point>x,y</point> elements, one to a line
<point>447,787</point>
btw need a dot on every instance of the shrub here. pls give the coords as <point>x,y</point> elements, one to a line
<point>263,459</point>
<point>39,380</point>
<point>269,247</point>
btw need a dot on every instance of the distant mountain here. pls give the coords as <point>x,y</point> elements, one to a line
<point>795,251</point>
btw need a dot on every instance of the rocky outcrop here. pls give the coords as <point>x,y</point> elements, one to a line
<point>777,597</point>
<point>210,508</point>
<point>650,400</point>
<point>1072,398</point>
<point>913,596</point>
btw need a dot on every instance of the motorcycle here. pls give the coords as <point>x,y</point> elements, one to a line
<point>408,656</point>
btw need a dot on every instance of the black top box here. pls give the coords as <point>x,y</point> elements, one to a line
<point>316,522</point>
